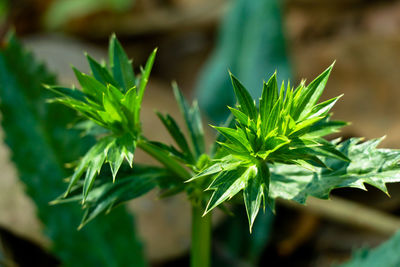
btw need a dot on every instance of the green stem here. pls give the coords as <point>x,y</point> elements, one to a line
<point>201,238</point>
<point>164,159</point>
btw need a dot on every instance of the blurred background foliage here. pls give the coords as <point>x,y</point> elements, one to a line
<point>198,40</point>
<point>61,11</point>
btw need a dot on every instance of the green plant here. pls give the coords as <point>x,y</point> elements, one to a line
<point>40,146</point>
<point>270,150</point>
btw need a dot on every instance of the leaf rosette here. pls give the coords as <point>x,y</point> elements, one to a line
<point>287,127</point>
<point>110,100</point>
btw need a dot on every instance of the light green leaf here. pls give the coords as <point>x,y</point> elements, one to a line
<point>145,74</point>
<point>115,157</point>
<point>90,86</point>
<point>311,94</point>
<point>253,194</point>
<point>224,164</point>
<point>268,98</point>
<point>240,116</point>
<point>235,136</point>
<point>368,165</point>
<point>323,108</point>
<point>120,65</point>
<point>244,99</point>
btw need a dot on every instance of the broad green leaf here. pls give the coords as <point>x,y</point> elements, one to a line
<point>40,163</point>
<point>272,144</point>
<point>368,165</point>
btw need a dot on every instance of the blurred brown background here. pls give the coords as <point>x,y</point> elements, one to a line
<point>362,36</point>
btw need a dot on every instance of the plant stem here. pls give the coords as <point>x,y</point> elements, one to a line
<point>201,238</point>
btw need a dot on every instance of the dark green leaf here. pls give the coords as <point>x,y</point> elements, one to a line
<point>110,241</point>
<point>193,121</point>
<point>100,72</point>
<point>90,86</point>
<point>176,134</point>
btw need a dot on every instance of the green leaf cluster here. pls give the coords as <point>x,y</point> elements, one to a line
<point>179,161</point>
<point>110,98</point>
<point>287,127</point>
<point>273,149</point>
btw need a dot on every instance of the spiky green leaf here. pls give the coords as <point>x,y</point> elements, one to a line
<point>120,65</point>
<point>368,164</point>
